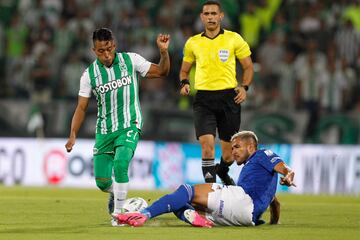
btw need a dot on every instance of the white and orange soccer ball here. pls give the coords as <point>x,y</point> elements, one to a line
<point>135,204</point>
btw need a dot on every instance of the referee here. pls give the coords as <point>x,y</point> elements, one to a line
<point>218,98</point>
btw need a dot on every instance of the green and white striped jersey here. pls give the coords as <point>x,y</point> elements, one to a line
<point>116,90</point>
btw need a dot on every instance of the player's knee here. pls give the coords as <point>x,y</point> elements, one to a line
<point>103,185</point>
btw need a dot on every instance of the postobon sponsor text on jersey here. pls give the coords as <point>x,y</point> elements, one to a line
<point>113,85</point>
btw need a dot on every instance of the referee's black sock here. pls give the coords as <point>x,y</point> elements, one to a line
<point>222,170</point>
<point>208,169</point>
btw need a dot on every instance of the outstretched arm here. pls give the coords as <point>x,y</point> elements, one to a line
<point>274,211</point>
<point>163,67</point>
<point>77,121</point>
<point>288,178</point>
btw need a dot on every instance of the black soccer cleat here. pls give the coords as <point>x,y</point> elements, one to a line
<point>259,222</point>
<point>227,180</point>
<point>223,175</point>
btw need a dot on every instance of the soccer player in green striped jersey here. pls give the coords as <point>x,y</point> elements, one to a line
<point>113,79</point>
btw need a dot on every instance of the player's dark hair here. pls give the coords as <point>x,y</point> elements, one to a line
<point>102,34</point>
<point>211,3</point>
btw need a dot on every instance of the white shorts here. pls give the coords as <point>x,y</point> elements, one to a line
<point>230,205</point>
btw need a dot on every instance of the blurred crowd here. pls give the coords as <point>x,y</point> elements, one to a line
<point>306,52</point>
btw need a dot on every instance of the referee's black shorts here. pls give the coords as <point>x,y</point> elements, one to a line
<point>216,110</point>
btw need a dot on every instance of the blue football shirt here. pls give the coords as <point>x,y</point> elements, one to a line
<point>259,180</point>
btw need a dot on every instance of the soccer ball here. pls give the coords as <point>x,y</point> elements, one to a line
<point>135,204</point>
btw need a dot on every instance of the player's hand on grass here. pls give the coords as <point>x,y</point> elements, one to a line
<point>185,90</point>
<point>69,145</point>
<point>163,41</point>
<point>288,179</point>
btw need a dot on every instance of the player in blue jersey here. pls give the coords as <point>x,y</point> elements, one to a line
<point>205,205</point>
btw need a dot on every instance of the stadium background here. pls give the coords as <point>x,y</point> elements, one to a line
<point>305,90</point>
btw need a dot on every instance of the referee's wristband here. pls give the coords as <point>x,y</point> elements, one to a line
<point>246,87</point>
<point>184,82</point>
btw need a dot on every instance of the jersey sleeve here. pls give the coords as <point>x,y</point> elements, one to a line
<point>268,159</point>
<point>85,86</point>
<point>141,65</point>
<point>242,49</point>
<point>188,52</point>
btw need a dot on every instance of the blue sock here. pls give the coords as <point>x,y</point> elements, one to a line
<point>171,202</point>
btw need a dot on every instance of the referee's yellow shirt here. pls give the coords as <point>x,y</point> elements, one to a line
<point>215,59</point>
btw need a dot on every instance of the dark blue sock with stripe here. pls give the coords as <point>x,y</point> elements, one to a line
<point>180,213</point>
<point>171,202</point>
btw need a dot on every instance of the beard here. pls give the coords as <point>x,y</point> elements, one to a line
<point>242,159</point>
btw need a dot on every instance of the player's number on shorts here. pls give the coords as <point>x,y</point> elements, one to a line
<point>131,134</point>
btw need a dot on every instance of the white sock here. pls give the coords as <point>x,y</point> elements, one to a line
<point>120,193</point>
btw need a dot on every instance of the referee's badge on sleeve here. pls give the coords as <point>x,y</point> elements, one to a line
<point>223,55</point>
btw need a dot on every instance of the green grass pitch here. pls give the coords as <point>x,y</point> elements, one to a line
<point>58,213</point>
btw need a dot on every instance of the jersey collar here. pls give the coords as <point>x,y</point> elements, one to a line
<point>250,157</point>
<point>220,32</point>
<point>116,61</point>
